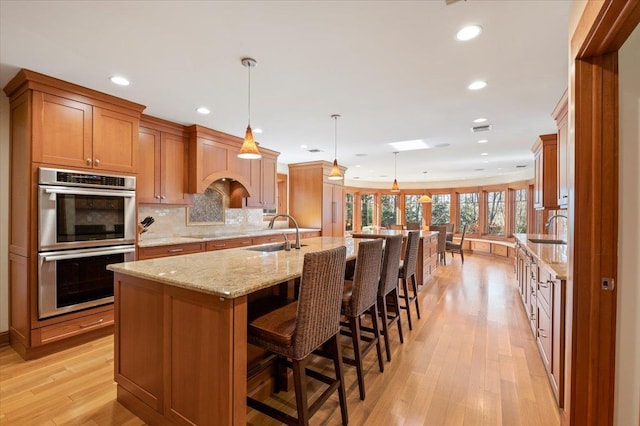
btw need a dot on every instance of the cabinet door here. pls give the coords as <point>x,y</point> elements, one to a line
<point>148,179</point>
<point>62,131</point>
<point>115,141</point>
<point>563,189</point>
<point>173,171</point>
<point>255,200</point>
<point>338,213</point>
<point>537,183</point>
<point>269,183</point>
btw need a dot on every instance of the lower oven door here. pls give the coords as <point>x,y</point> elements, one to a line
<point>72,280</point>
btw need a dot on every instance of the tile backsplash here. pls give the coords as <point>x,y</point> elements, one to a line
<point>171,222</point>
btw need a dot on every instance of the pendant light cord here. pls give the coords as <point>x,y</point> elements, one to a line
<point>335,150</point>
<point>249,97</point>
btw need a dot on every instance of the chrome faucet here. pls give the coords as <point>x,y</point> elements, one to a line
<point>555,216</point>
<point>273,219</point>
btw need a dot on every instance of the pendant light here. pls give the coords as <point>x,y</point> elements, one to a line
<point>249,149</point>
<point>425,198</point>
<point>395,187</point>
<point>335,170</point>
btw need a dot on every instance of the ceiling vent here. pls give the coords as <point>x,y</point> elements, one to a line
<point>314,150</point>
<point>484,128</point>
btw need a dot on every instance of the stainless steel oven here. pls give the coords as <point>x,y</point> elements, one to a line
<point>71,280</point>
<point>79,209</point>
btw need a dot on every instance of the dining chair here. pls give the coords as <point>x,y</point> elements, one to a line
<point>452,247</point>
<point>396,227</point>
<point>442,237</point>
<point>413,226</point>
<point>294,331</point>
<point>388,290</point>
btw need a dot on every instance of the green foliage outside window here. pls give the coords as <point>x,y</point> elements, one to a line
<point>495,212</point>
<point>349,212</point>
<point>440,209</point>
<point>521,211</point>
<point>469,211</point>
<point>412,209</point>
<point>389,210</point>
<point>367,208</point>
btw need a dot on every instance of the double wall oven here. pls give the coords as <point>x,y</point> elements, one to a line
<point>86,221</point>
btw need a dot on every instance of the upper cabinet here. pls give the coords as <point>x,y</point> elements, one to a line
<point>78,127</point>
<point>213,155</point>
<point>560,115</point>
<point>545,151</point>
<point>162,165</point>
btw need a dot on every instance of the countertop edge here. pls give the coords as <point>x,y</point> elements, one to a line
<point>558,269</point>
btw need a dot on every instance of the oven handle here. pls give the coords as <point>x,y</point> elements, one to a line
<point>90,192</point>
<point>89,254</point>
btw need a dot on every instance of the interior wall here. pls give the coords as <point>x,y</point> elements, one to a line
<point>627,386</point>
<point>4,213</point>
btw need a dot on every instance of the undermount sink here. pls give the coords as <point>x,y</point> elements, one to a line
<point>545,241</point>
<point>271,247</point>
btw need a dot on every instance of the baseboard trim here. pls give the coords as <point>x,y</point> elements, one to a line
<point>4,338</point>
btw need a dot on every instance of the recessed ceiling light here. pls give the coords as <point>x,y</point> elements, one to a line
<point>303,146</point>
<point>477,85</point>
<point>119,80</point>
<point>203,110</point>
<point>257,130</point>
<point>483,141</point>
<point>469,32</point>
<point>409,145</point>
<point>499,168</point>
<point>486,161</point>
<point>480,120</point>
<point>485,153</point>
<point>357,165</point>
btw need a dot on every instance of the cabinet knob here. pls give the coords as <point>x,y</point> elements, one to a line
<point>97,162</point>
<point>157,197</point>
<point>88,161</point>
<point>541,333</point>
<point>162,197</point>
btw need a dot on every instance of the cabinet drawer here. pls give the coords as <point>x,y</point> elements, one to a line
<point>545,291</point>
<point>229,243</point>
<point>309,234</point>
<point>278,238</point>
<point>481,246</point>
<point>63,330</point>
<point>170,250</point>
<point>544,336</point>
<point>500,250</point>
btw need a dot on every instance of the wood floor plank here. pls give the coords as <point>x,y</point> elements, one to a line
<point>470,360</point>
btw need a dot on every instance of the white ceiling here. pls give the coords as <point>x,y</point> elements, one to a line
<point>392,69</point>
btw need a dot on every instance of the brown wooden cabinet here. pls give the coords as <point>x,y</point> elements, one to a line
<point>56,123</point>
<point>77,134</point>
<point>263,183</point>
<point>543,297</point>
<point>315,201</point>
<point>228,243</point>
<point>545,151</point>
<point>162,171</point>
<point>560,115</point>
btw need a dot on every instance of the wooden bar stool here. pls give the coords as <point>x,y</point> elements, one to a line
<point>294,331</point>
<point>388,289</point>
<point>407,272</point>
<point>359,298</point>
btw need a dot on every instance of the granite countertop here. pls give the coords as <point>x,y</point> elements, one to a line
<point>154,242</point>
<point>553,256</point>
<point>389,232</point>
<point>234,272</point>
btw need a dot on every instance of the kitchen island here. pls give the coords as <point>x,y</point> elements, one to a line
<point>427,250</point>
<point>181,329</point>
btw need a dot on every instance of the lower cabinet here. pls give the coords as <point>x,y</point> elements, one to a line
<point>427,258</point>
<point>543,298</point>
<point>169,250</point>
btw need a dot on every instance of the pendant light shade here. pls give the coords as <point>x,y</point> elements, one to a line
<point>395,187</point>
<point>425,198</point>
<point>335,170</point>
<point>249,149</point>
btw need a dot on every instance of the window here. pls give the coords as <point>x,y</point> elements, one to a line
<point>390,210</point>
<point>348,212</point>
<point>469,211</point>
<point>521,211</point>
<point>440,209</point>
<point>412,209</point>
<point>367,204</point>
<point>495,212</point>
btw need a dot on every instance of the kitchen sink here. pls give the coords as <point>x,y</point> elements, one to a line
<point>546,241</point>
<point>272,247</point>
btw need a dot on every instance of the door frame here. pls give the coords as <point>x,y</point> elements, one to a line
<point>593,233</point>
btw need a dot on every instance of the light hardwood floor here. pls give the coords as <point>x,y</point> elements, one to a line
<point>470,360</point>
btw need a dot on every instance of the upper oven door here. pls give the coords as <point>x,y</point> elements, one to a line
<point>71,217</point>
